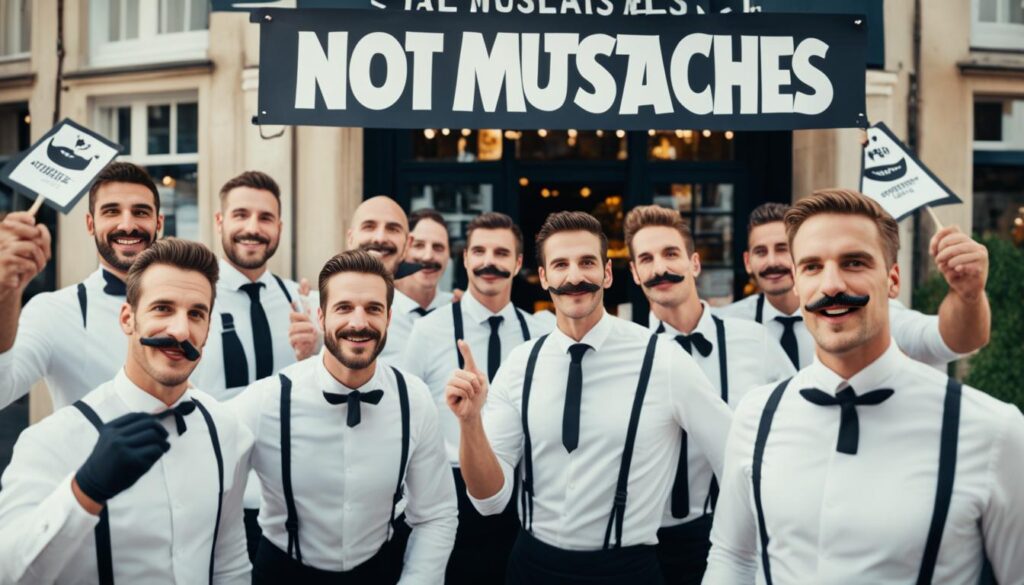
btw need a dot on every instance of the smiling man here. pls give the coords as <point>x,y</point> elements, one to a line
<point>430,249</point>
<point>70,338</point>
<point>592,415</point>
<point>866,466</point>
<point>141,480</point>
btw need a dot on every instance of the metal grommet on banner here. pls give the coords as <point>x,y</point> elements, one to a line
<point>862,121</point>
<point>857,22</point>
<point>269,18</point>
<point>256,122</point>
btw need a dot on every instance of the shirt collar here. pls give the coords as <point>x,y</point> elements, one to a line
<point>705,326</point>
<point>328,383</point>
<point>770,312</point>
<point>138,400</point>
<point>480,314</point>
<point>872,377</point>
<point>402,304</point>
<point>232,279</point>
<point>595,338</point>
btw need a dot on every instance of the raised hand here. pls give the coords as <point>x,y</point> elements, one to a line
<point>127,448</point>
<point>962,261</point>
<point>303,334</point>
<point>466,391</point>
<point>24,251</point>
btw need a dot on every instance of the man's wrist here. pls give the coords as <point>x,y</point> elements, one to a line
<point>88,504</point>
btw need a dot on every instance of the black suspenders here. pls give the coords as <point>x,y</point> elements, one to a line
<point>460,331</point>
<point>759,313</point>
<point>291,523</point>
<point>236,365</point>
<point>943,490</point>
<point>618,512</point>
<point>284,289</point>
<point>83,302</point>
<point>104,556</point>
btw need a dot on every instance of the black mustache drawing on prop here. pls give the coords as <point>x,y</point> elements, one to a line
<point>839,301</point>
<point>667,277</point>
<point>773,270</point>
<point>492,270</point>
<point>568,289</point>
<point>191,353</point>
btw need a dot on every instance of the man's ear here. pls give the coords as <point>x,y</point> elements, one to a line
<point>127,319</point>
<point>894,281</point>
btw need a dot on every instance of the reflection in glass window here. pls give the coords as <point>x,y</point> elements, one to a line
<point>690,145</point>
<point>998,208</point>
<point>458,203</point>
<point>569,144</point>
<point>179,199</point>
<point>158,124</point>
<point>458,145</point>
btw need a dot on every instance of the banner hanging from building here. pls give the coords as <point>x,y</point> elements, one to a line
<point>389,69</point>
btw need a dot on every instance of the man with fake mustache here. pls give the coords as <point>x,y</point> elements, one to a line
<point>70,338</point>
<point>141,480</point>
<point>961,327</point>
<point>867,466</point>
<point>491,326</point>
<point>429,248</point>
<point>340,440</point>
<point>736,355</point>
<point>592,415</point>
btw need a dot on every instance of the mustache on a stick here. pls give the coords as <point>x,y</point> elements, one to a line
<point>191,353</point>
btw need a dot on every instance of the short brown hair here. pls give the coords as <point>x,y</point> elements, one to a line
<point>493,220</point>
<point>355,261</point>
<point>183,254</point>
<point>426,213</point>
<point>570,221</point>
<point>655,215</point>
<point>770,212</point>
<point>846,202</point>
<point>253,180</point>
<point>123,172</point>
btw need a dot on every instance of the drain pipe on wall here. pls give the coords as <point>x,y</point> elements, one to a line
<point>920,266</point>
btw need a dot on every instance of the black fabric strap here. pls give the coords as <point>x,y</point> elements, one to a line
<point>723,376</point>
<point>236,366</point>
<point>522,324</point>
<point>618,514</point>
<point>763,428</point>
<point>459,331</point>
<point>759,313</point>
<point>291,523</point>
<point>83,302</point>
<point>403,402</point>
<point>947,471</point>
<point>284,288</point>
<point>527,491</point>
<point>220,479</point>
<point>104,557</point>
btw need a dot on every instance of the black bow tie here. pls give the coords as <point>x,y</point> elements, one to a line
<point>694,341</point>
<point>847,400</point>
<point>114,285</point>
<point>179,412</point>
<point>353,399</point>
<point>421,311</point>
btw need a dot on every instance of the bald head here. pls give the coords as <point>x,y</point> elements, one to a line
<point>380,226</point>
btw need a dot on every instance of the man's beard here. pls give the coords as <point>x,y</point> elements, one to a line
<point>107,252</point>
<point>258,262</point>
<point>360,362</point>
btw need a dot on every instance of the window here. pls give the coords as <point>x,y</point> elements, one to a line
<point>998,24</point>
<point>998,179</point>
<point>998,124</point>
<point>161,134</point>
<point>127,32</point>
<point>15,28</point>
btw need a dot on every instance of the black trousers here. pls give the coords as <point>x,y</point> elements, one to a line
<point>273,566</point>
<point>482,543</point>
<point>252,532</point>
<point>535,563</point>
<point>683,551</point>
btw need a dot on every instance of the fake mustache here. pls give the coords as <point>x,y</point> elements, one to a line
<point>366,333</point>
<point>840,300</point>
<point>667,277</point>
<point>384,248</point>
<point>492,270</point>
<point>255,237</point>
<point>191,353</point>
<point>132,234</point>
<point>568,289</point>
<point>774,270</point>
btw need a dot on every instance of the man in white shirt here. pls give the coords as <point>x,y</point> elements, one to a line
<point>867,466</point>
<point>736,355</point>
<point>961,326</point>
<point>70,338</point>
<point>429,250</point>
<point>141,480</point>
<point>339,440</point>
<point>596,465</point>
<point>492,326</point>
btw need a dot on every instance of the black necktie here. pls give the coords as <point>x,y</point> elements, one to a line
<point>260,331</point>
<point>179,412</point>
<point>847,401</point>
<point>695,340</point>
<point>494,347</point>
<point>788,339</point>
<point>113,285</point>
<point>573,394</point>
<point>421,311</point>
<point>353,399</point>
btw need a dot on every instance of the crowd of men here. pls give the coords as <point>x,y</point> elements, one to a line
<point>218,423</point>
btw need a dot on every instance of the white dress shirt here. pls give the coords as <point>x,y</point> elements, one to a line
<point>432,356</point>
<point>403,316</point>
<point>864,518</point>
<point>161,528</point>
<point>753,358</point>
<point>52,344</point>
<point>344,478</point>
<point>916,334</point>
<point>574,492</point>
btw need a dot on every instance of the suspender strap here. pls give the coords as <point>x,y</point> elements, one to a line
<point>284,289</point>
<point>723,377</point>
<point>220,479</point>
<point>527,491</point>
<point>762,437</point>
<point>523,325</point>
<point>236,366</point>
<point>759,314</point>
<point>459,331</point>
<point>104,559</point>
<point>291,523</point>
<point>618,514</point>
<point>403,402</point>
<point>83,301</point>
<point>947,471</point>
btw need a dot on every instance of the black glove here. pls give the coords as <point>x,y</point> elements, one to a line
<point>128,446</point>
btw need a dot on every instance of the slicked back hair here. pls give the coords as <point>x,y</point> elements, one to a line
<point>358,261</point>
<point>427,213</point>
<point>846,202</point>
<point>655,215</point>
<point>253,180</point>
<point>570,221</point>
<point>123,172</point>
<point>493,220</point>
<point>770,212</point>
<point>181,254</point>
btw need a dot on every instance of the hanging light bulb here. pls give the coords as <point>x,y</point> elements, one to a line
<point>572,133</point>
<point>729,134</point>
<point>445,131</point>
<point>679,133</point>
<point>706,134</point>
<point>542,133</point>
<point>620,133</point>
<point>585,192</point>
<point>466,131</point>
<point>650,132</point>
<point>600,133</point>
<point>545,192</point>
<point>429,133</point>
<point>524,182</point>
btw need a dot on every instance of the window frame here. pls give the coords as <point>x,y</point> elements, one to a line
<point>996,36</point>
<point>13,29</point>
<point>151,46</point>
<point>1013,129</point>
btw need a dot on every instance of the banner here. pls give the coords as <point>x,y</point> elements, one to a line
<point>389,69</point>
<point>896,179</point>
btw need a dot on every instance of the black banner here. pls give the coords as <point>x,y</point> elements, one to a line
<point>387,69</point>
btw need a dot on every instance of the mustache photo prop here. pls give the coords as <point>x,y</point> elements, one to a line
<point>492,270</point>
<point>840,300</point>
<point>568,289</point>
<point>667,277</point>
<point>407,269</point>
<point>191,353</point>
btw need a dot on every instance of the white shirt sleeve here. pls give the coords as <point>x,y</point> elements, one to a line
<point>1002,522</point>
<point>698,406</point>
<point>432,510</point>
<point>29,359</point>
<point>231,557</point>
<point>504,428</point>
<point>414,357</point>
<point>918,335</point>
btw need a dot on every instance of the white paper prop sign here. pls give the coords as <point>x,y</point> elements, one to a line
<point>61,165</point>
<point>896,179</point>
